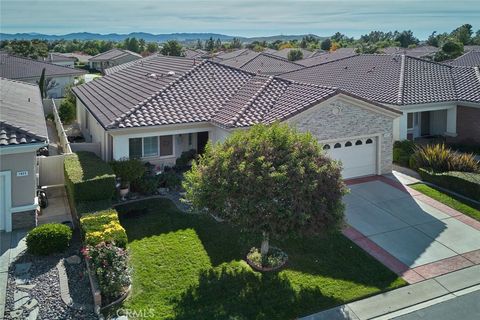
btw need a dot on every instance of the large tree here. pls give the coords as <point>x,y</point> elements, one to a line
<point>172,48</point>
<point>295,54</point>
<point>271,180</point>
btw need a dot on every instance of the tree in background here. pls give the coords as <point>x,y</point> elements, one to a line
<point>326,44</point>
<point>463,34</point>
<point>236,44</point>
<point>295,54</point>
<point>172,48</point>
<point>218,44</point>
<point>132,44</point>
<point>405,38</point>
<point>210,45</point>
<point>152,47</point>
<point>199,44</point>
<point>451,49</point>
<point>42,84</point>
<point>269,180</point>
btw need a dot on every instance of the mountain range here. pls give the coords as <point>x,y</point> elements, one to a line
<point>149,37</point>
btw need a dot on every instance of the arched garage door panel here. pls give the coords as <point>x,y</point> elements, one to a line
<point>358,156</point>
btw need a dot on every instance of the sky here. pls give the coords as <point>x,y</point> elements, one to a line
<point>234,17</point>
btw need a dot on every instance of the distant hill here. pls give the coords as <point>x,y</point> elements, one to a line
<point>149,37</point>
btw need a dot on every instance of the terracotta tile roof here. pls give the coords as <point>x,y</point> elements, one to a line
<point>469,59</point>
<point>239,59</point>
<point>110,96</point>
<point>229,97</point>
<point>467,83</point>
<point>323,57</point>
<point>125,65</point>
<point>283,53</point>
<point>197,53</point>
<point>57,57</point>
<point>113,54</point>
<point>21,118</point>
<point>13,67</point>
<point>391,79</point>
<point>233,54</point>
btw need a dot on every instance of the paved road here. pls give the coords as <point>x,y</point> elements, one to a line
<point>465,307</point>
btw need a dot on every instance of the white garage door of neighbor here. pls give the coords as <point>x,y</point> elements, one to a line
<point>358,156</point>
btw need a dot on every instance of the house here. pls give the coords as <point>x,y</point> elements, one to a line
<point>110,58</point>
<point>22,132</point>
<point>78,56</point>
<point>195,53</point>
<point>136,115</point>
<point>424,52</point>
<point>28,70</point>
<point>122,66</point>
<point>59,60</point>
<point>435,99</point>
<point>326,56</point>
<point>283,53</point>
<point>469,59</point>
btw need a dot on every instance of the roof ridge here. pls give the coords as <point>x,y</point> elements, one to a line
<point>428,61</point>
<point>322,63</point>
<point>19,81</point>
<point>401,84</point>
<point>278,58</point>
<point>141,103</point>
<point>477,73</point>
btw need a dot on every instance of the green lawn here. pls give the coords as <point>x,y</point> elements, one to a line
<point>191,267</point>
<point>464,206</point>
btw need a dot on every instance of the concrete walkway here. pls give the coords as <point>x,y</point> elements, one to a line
<point>415,236</point>
<point>408,300</point>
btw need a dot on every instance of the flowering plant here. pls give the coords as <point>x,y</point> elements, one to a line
<point>111,267</point>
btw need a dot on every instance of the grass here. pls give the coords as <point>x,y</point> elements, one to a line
<point>189,266</point>
<point>464,206</point>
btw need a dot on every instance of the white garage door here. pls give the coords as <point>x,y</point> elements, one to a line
<point>358,156</point>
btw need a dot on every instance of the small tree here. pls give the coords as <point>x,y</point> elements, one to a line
<point>295,54</point>
<point>128,170</point>
<point>42,84</point>
<point>172,48</point>
<point>326,44</point>
<point>271,180</point>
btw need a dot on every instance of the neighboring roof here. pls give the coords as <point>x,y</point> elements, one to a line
<point>322,57</point>
<point>394,79</point>
<point>236,58</point>
<point>113,54</point>
<point>417,52</point>
<point>470,48</point>
<point>283,53</point>
<point>56,57</point>
<point>125,65</point>
<point>225,96</point>
<point>194,53</point>
<point>21,118</point>
<point>469,59</point>
<point>77,55</point>
<point>260,62</point>
<point>13,67</point>
<point>112,95</point>
<point>233,54</point>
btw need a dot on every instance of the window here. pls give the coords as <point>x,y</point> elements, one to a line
<point>348,144</point>
<point>369,141</point>
<point>326,147</point>
<point>86,118</point>
<point>337,145</point>
<point>166,146</point>
<point>150,146</point>
<point>410,120</point>
<point>358,143</point>
<point>135,148</point>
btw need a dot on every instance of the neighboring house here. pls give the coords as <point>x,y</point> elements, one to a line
<point>78,56</point>
<point>111,58</point>
<point>28,70</point>
<point>469,59</point>
<point>59,60</point>
<point>435,99</point>
<point>22,132</point>
<point>258,62</point>
<point>325,56</point>
<point>156,118</point>
<point>283,53</point>
<point>424,52</point>
<point>195,53</point>
<point>122,66</point>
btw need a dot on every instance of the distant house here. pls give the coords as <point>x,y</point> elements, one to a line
<point>283,53</point>
<point>28,70</point>
<point>327,56</point>
<point>424,52</point>
<point>111,58</point>
<point>195,53</point>
<point>59,60</point>
<point>469,59</point>
<point>22,132</point>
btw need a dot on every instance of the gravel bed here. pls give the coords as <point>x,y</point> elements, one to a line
<point>43,274</point>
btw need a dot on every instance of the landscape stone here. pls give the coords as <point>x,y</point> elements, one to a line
<point>26,286</point>
<point>33,315</point>
<point>73,259</point>
<point>23,279</point>
<point>17,295</point>
<point>21,268</point>
<point>15,314</point>
<point>31,304</point>
<point>19,303</point>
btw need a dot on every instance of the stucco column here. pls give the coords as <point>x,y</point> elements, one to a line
<point>451,122</point>
<point>402,126</point>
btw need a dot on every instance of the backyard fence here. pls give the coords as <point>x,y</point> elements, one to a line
<point>50,170</point>
<point>64,143</point>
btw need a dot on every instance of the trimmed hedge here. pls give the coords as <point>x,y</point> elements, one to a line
<point>464,183</point>
<point>402,151</point>
<point>48,238</point>
<point>88,178</point>
<point>103,226</point>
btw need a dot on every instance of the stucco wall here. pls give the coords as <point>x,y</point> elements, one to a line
<point>23,188</point>
<point>95,132</point>
<point>468,125</point>
<point>339,119</point>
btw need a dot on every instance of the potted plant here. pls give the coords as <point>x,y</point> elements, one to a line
<point>127,170</point>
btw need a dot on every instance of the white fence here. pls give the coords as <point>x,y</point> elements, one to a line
<point>60,130</point>
<point>50,170</point>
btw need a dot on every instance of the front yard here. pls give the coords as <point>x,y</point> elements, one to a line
<point>188,266</point>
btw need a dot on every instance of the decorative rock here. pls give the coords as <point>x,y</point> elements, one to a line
<point>33,315</point>
<point>15,314</point>
<point>17,295</point>
<point>26,286</point>
<point>31,304</point>
<point>21,268</point>
<point>23,279</point>
<point>19,303</point>
<point>73,259</point>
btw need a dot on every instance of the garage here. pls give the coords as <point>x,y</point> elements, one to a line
<point>358,156</point>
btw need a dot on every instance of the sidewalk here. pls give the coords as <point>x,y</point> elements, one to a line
<point>407,299</point>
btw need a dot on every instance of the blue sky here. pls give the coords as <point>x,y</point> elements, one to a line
<point>243,18</point>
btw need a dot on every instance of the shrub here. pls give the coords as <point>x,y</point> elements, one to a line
<point>88,178</point>
<point>86,207</point>
<point>103,226</point>
<point>183,162</point>
<point>128,170</point>
<point>402,151</point>
<point>66,112</point>
<point>49,238</point>
<point>465,183</point>
<point>111,268</point>
<point>146,185</point>
<point>169,179</point>
<point>439,158</point>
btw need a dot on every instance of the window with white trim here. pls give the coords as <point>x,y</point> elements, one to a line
<point>166,146</point>
<point>150,146</point>
<point>410,120</point>
<point>135,148</point>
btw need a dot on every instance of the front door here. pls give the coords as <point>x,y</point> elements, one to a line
<point>202,139</point>
<point>425,123</point>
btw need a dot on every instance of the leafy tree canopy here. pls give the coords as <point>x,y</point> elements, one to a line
<point>295,55</point>
<point>172,48</point>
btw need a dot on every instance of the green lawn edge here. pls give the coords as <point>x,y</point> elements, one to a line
<point>464,206</point>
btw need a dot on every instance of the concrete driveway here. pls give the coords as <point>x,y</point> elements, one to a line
<point>414,235</point>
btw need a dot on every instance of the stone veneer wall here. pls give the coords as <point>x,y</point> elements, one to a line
<point>24,220</point>
<point>338,119</point>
